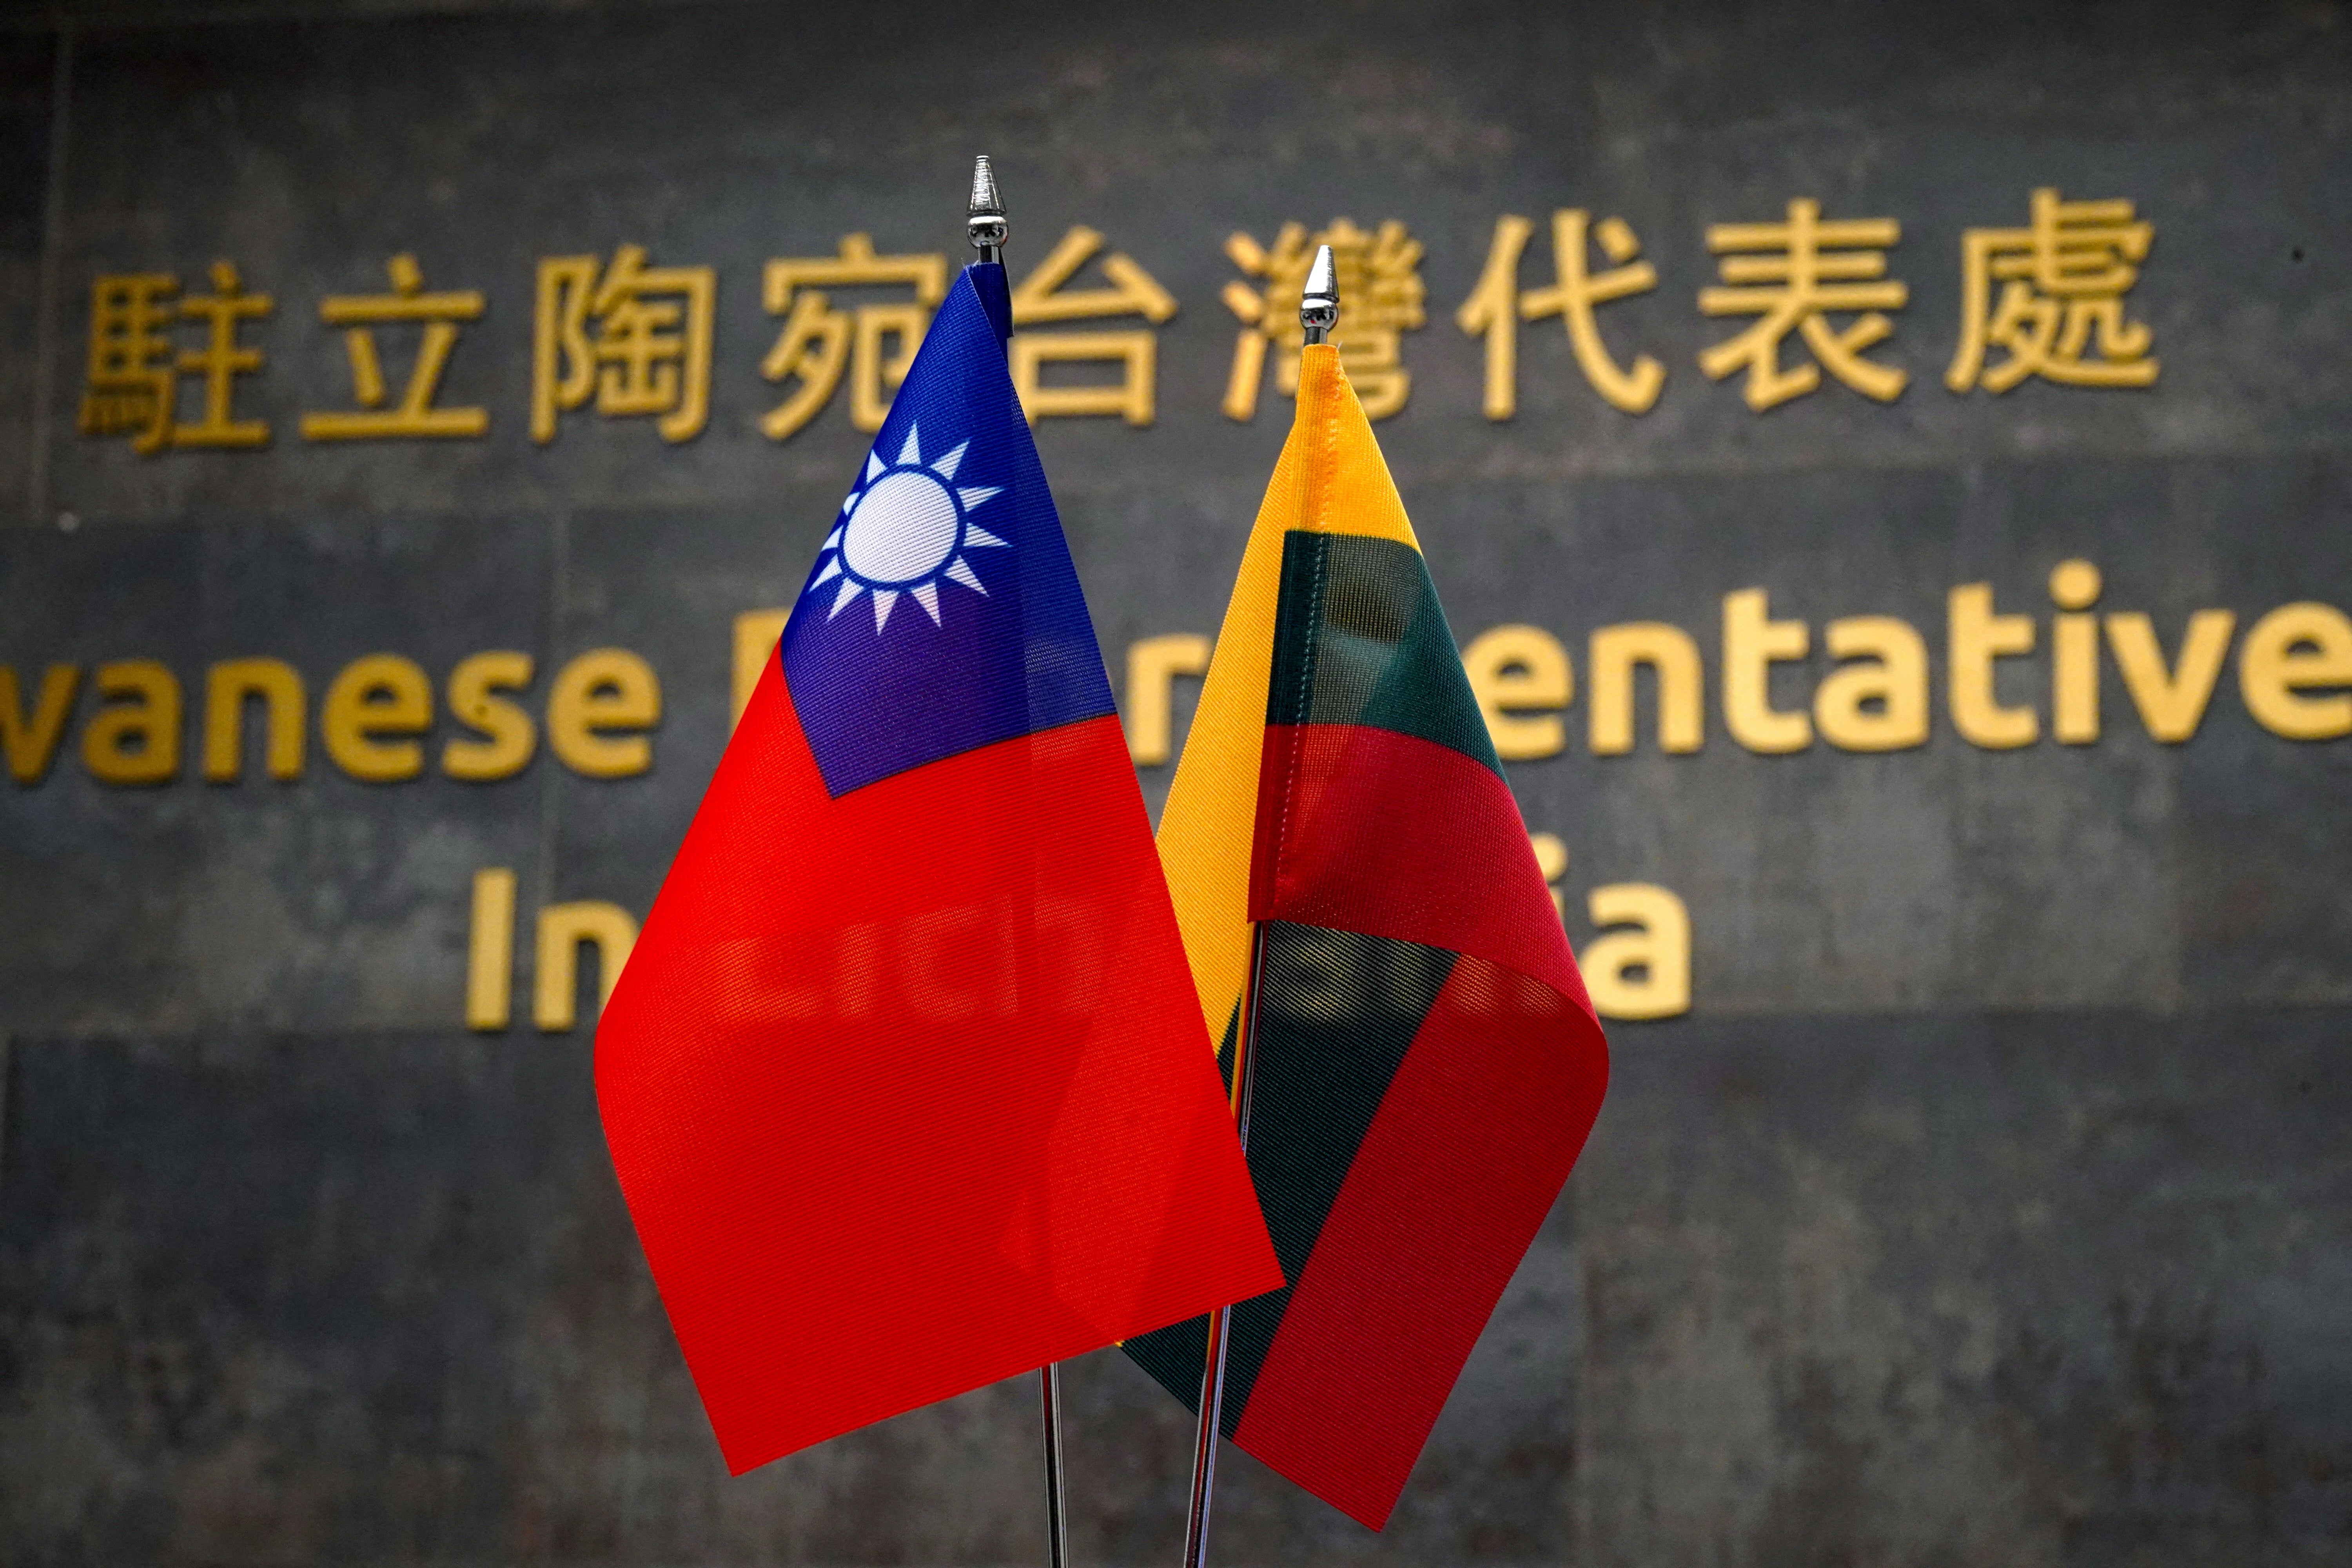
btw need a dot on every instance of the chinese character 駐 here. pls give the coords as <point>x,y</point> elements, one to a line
<point>135,366</point>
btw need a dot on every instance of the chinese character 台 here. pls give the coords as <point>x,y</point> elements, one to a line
<point>415,417</point>
<point>2062,284</point>
<point>651,351</point>
<point>1791,275</point>
<point>876,342</point>
<point>1497,306</point>
<point>1042,298</point>
<point>1381,293</point>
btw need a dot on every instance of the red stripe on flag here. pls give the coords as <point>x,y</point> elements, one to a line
<point>904,1089</point>
<point>1463,1161</point>
<point>1369,830</point>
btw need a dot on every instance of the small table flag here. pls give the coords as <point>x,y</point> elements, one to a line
<point>1427,1064</point>
<point>905,1080</point>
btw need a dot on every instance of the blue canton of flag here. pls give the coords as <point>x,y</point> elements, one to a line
<point>943,612</point>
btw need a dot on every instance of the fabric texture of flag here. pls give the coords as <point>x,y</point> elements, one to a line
<point>903,1081</point>
<point>1427,1064</point>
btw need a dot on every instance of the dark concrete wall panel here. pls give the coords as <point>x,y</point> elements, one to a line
<point>2000,1289</point>
<point>29,69</point>
<point>374,1298</point>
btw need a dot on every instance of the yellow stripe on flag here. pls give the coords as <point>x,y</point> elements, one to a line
<point>1331,479</point>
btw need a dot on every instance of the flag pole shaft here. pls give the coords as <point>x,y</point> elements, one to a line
<point>1049,1389</point>
<point>1213,1370</point>
<point>984,224</point>
<point>1318,312</point>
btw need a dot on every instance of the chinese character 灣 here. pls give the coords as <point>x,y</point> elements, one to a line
<point>652,351</point>
<point>359,315</point>
<point>133,381</point>
<point>817,341</point>
<point>2063,282</point>
<point>1496,307</point>
<point>135,367</point>
<point>1041,298</point>
<point>1808,267</point>
<point>1379,299</point>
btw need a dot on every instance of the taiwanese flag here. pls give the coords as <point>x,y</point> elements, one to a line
<point>1427,1064</point>
<point>904,1080</point>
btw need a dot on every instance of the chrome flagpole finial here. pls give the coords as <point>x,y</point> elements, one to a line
<point>1319,307</point>
<point>986,223</point>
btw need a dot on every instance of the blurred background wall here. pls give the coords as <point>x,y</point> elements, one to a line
<point>1930,665</point>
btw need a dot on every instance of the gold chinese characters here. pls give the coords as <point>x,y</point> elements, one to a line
<point>1792,275</point>
<point>359,315</point>
<point>1135,350</point>
<point>136,365</point>
<point>1496,307</point>
<point>1381,296</point>
<point>876,341</point>
<point>2063,281</point>
<point>651,353</point>
<point>2059,315</point>
<point>624,339</point>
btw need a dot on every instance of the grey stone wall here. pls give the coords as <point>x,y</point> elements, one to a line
<point>1987,1206</point>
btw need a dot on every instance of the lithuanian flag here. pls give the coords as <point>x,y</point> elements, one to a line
<point>1426,1062</point>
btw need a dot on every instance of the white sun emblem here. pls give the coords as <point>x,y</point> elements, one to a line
<point>902,529</point>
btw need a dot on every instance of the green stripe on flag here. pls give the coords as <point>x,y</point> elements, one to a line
<point>1359,639</point>
<point>1337,1012</point>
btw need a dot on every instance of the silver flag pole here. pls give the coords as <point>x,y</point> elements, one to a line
<point>984,223</point>
<point>985,220</point>
<point>1213,1371</point>
<point>1057,1534</point>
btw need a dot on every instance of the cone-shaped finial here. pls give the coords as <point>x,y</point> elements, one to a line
<point>1319,307</point>
<point>986,222</point>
